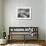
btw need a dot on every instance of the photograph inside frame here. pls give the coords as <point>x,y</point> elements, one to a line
<point>24,13</point>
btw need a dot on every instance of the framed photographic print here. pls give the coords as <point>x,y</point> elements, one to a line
<point>23,13</point>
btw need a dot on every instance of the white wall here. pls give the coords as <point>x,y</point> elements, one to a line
<point>0,12</point>
<point>0,18</point>
<point>45,19</point>
<point>38,15</point>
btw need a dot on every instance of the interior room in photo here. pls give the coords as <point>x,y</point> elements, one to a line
<point>24,21</point>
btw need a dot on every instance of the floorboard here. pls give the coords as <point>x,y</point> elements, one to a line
<point>25,42</point>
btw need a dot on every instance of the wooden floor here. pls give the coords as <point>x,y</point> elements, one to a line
<point>40,42</point>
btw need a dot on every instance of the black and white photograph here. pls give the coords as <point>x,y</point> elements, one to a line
<point>23,13</point>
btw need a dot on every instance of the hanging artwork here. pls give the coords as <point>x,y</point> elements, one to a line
<point>23,13</point>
